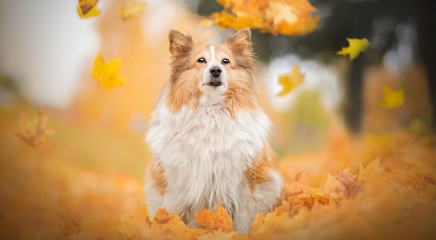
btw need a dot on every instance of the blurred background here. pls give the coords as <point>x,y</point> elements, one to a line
<point>47,53</point>
<point>96,158</point>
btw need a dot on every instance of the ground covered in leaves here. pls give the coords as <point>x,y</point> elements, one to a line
<point>375,186</point>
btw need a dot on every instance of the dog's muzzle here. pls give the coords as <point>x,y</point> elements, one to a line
<point>215,74</point>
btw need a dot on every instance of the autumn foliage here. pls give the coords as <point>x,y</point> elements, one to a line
<point>290,17</point>
<point>374,187</point>
<point>380,185</point>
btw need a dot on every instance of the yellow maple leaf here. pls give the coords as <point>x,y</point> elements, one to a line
<point>88,8</point>
<point>35,132</point>
<point>132,9</point>
<point>290,81</point>
<point>218,220</point>
<point>107,74</point>
<point>392,98</point>
<point>356,47</point>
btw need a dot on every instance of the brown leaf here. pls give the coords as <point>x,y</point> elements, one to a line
<point>343,185</point>
<point>35,132</point>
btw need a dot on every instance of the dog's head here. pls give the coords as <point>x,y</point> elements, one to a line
<point>210,74</point>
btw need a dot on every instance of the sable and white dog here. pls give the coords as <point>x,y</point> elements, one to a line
<point>209,136</point>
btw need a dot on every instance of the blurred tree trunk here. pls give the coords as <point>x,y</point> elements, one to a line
<point>353,94</point>
<point>426,25</point>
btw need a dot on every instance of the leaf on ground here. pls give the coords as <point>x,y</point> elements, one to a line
<point>170,226</point>
<point>107,74</point>
<point>132,9</point>
<point>218,220</point>
<point>88,8</point>
<point>290,81</point>
<point>290,17</point>
<point>265,226</point>
<point>217,235</point>
<point>35,132</point>
<point>343,185</point>
<point>356,46</point>
<point>392,98</point>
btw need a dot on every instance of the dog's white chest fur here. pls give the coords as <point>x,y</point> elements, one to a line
<point>204,153</point>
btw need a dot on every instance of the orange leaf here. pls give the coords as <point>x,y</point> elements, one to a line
<point>170,226</point>
<point>290,17</point>
<point>218,220</point>
<point>35,132</point>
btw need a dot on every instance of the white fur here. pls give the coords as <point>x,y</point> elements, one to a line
<point>204,154</point>
<point>213,93</point>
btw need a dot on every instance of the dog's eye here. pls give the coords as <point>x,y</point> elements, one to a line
<point>201,60</point>
<point>225,61</point>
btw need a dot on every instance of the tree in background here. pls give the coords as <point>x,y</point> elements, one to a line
<point>376,20</point>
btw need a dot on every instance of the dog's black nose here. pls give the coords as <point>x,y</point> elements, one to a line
<point>215,71</point>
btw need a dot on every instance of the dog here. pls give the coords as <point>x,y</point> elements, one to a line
<point>209,135</point>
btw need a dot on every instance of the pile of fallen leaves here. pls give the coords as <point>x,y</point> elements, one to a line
<point>377,186</point>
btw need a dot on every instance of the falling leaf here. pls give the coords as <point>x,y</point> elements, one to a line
<point>290,81</point>
<point>35,132</point>
<point>227,20</point>
<point>107,74</point>
<point>218,220</point>
<point>392,98</point>
<point>356,47</point>
<point>132,9</point>
<point>88,8</point>
<point>290,17</point>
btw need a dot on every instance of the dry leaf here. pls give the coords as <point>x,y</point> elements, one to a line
<point>107,74</point>
<point>88,8</point>
<point>343,185</point>
<point>290,81</point>
<point>392,98</point>
<point>132,9</point>
<point>35,132</point>
<point>356,47</point>
<point>218,220</point>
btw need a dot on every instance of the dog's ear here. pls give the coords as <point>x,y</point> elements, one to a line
<point>240,42</point>
<point>180,45</point>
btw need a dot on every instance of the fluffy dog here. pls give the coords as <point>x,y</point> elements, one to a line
<point>209,135</point>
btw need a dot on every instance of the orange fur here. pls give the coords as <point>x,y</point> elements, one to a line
<point>158,176</point>
<point>241,93</point>
<point>258,171</point>
<point>186,73</point>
